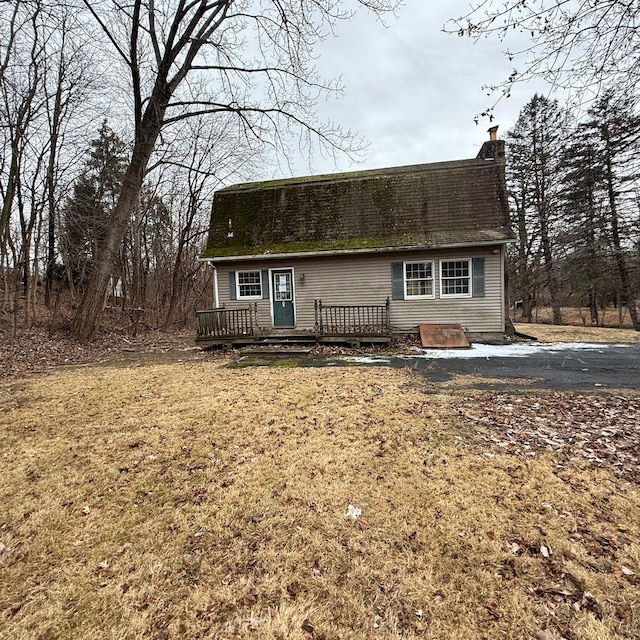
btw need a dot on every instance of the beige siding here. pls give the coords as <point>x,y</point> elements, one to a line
<point>366,279</point>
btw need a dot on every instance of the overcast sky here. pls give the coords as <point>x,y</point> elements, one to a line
<point>411,90</point>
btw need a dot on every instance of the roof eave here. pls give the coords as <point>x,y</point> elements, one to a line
<point>346,252</point>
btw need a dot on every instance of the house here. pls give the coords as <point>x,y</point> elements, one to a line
<point>361,255</point>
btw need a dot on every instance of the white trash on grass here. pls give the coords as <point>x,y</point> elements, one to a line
<point>353,512</point>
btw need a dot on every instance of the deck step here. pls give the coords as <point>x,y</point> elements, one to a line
<point>275,350</point>
<point>289,340</point>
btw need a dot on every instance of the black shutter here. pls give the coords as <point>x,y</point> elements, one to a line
<point>397,281</point>
<point>478,278</point>
<point>232,285</point>
<point>265,284</point>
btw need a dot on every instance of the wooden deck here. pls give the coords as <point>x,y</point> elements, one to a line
<point>346,324</point>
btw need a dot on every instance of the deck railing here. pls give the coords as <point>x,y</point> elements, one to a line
<point>228,323</point>
<point>352,320</point>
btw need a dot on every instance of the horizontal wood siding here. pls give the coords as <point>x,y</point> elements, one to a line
<point>366,279</point>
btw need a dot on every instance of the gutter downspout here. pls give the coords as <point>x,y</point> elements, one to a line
<point>216,293</point>
<point>504,307</point>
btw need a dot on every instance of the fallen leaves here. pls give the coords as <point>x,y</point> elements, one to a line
<point>36,352</point>
<point>601,430</point>
<point>248,600</point>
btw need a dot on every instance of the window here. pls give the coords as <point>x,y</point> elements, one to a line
<point>249,284</point>
<point>455,278</point>
<point>418,279</point>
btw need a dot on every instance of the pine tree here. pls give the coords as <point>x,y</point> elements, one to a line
<point>87,213</point>
<point>534,170</point>
<point>614,127</point>
<point>583,203</point>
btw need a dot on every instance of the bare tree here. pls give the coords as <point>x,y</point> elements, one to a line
<point>254,57</point>
<point>67,86</point>
<point>43,83</point>
<point>21,79</point>
<point>584,45</point>
<point>212,156</point>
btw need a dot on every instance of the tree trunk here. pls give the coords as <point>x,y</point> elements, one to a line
<point>523,281</point>
<point>593,307</point>
<point>178,275</point>
<point>550,278</point>
<point>88,317</point>
<point>51,199</point>
<point>621,263</point>
<point>592,262</point>
<point>175,293</point>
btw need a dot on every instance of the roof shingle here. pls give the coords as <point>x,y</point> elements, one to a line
<point>461,202</point>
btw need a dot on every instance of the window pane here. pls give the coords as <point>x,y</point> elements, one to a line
<point>455,286</point>
<point>419,288</point>
<point>282,286</point>
<point>249,284</point>
<point>418,279</point>
<point>455,269</point>
<point>455,277</point>
<point>249,277</point>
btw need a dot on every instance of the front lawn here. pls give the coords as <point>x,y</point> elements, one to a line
<point>189,500</point>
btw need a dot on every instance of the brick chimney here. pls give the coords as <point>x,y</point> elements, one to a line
<point>492,149</point>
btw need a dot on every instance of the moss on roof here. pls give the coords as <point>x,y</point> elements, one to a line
<point>460,201</point>
<point>302,246</point>
<point>432,240</point>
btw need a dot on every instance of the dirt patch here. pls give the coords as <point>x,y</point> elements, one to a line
<point>37,352</point>
<point>190,500</point>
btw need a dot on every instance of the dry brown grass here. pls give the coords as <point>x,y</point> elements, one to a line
<point>579,316</point>
<point>194,501</point>
<point>554,333</point>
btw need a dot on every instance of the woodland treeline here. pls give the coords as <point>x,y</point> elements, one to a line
<point>574,190</point>
<point>119,120</point>
<point>62,169</point>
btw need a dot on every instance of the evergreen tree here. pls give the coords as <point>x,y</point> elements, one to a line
<point>87,213</point>
<point>533,175</point>
<point>614,127</point>
<point>583,206</point>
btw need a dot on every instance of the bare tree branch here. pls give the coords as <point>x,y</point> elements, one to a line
<point>580,46</point>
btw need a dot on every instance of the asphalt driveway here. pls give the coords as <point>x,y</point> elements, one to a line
<point>558,366</point>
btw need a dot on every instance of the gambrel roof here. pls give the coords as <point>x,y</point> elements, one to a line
<point>442,204</point>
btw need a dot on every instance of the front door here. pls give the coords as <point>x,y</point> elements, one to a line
<point>282,298</point>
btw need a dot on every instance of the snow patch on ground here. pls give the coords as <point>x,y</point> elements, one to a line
<point>519,350</point>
